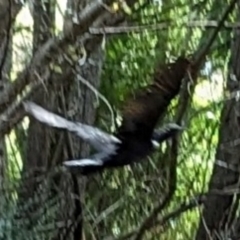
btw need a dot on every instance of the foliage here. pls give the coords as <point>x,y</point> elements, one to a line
<point>129,64</point>
<point>121,199</point>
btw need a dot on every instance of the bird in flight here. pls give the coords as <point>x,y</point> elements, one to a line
<point>136,137</point>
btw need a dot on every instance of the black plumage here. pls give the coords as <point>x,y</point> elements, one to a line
<point>135,138</point>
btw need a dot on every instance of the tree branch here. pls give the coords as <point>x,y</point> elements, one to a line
<point>199,58</point>
<point>95,12</point>
<point>52,48</point>
<point>150,220</point>
<point>14,112</point>
<point>159,26</point>
<point>185,206</point>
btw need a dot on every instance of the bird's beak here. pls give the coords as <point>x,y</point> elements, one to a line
<point>155,144</point>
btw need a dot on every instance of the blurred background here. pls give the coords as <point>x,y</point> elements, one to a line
<point>83,60</point>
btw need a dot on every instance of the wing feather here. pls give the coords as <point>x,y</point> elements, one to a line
<point>141,113</point>
<point>99,139</point>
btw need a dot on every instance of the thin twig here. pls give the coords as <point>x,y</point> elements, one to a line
<point>183,207</point>
<point>7,39</point>
<point>202,54</point>
<point>98,95</point>
<point>150,220</point>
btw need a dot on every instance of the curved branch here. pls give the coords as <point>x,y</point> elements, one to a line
<point>183,207</point>
<point>151,219</point>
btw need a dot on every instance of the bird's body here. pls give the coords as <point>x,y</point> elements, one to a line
<point>134,139</point>
<point>131,151</point>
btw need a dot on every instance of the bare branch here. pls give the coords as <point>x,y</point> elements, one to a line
<point>151,219</point>
<point>94,11</point>
<point>159,26</point>
<point>51,48</point>
<point>14,112</point>
<point>203,52</point>
<point>183,207</point>
<point>200,55</point>
<point>98,95</point>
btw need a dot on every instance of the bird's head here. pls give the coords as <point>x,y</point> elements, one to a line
<point>164,133</point>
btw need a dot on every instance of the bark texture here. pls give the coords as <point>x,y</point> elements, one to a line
<point>8,12</point>
<point>220,209</point>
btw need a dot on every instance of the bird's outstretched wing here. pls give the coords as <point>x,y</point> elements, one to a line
<point>140,114</point>
<point>101,141</point>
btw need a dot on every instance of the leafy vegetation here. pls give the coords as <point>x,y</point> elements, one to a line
<point>119,201</point>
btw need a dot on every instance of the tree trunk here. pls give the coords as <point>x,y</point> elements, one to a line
<point>38,141</point>
<point>219,209</point>
<point>48,148</point>
<point>8,12</point>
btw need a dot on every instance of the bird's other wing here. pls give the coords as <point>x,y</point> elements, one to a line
<point>98,159</point>
<point>140,114</point>
<point>100,140</point>
<point>87,166</point>
<point>84,166</point>
<point>83,163</point>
